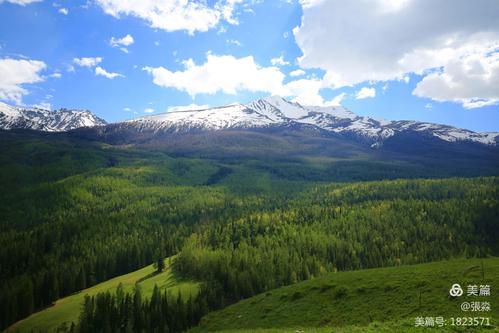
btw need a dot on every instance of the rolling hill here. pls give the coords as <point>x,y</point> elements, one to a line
<point>372,300</point>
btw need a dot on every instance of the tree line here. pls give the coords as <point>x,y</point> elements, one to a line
<point>123,311</point>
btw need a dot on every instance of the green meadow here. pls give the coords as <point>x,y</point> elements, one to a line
<point>67,310</point>
<point>371,300</point>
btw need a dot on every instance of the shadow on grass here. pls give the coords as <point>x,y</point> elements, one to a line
<point>148,276</point>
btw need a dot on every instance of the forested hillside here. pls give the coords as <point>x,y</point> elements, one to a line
<point>75,213</point>
<point>344,227</point>
<point>66,311</point>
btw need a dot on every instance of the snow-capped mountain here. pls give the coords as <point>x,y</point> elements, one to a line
<point>12,117</point>
<point>268,112</point>
<point>277,111</point>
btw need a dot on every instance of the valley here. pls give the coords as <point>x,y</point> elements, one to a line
<point>246,212</point>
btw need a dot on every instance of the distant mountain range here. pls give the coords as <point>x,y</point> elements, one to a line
<point>264,113</point>
<point>13,117</point>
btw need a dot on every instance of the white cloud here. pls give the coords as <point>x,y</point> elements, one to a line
<point>306,91</point>
<point>365,92</point>
<point>87,62</point>
<point>125,41</point>
<point>20,2</point>
<point>190,107</point>
<point>381,40</point>
<point>279,61</point>
<point>462,80</point>
<point>428,106</point>
<point>56,75</point>
<point>336,101</point>
<point>122,43</point>
<point>63,11</point>
<point>220,74</point>
<point>149,110</point>
<point>298,72</point>
<point>14,73</point>
<point>127,109</point>
<point>101,71</point>
<point>234,41</point>
<point>43,105</point>
<point>231,75</point>
<point>174,15</point>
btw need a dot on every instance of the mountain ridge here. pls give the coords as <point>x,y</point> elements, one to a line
<point>62,120</point>
<point>273,111</point>
<point>277,111</point>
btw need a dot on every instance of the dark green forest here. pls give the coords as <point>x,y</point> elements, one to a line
<point>76,213</point>
<point>131,312</point>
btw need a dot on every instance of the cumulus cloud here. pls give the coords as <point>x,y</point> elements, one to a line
<point>231,75</point>
<point>87,62</point>
<point>15,73</point>
<point>174,15</point>
<point>63,11</point>
<point>122,43</point>
<point>190,107</point>
<point>365,92</point>
<point>306,91</point>
<point>125,41</point>
<point>20,2</point>
<point>224,73</point>
<point>462,80</point>
<point>381,40</point>
<point>336,101</point>
<point>102,72</point>
<point>279,61</point>
<point>298,72</point>
<point>149,110</point>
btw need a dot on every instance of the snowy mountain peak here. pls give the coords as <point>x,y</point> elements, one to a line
<point>278,107</point>
<point>273,111</point>
<point>277,111</point>
<point>224,117</point>
<point>13,117</point>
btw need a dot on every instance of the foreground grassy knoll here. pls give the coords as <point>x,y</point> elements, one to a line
<point>405,326</point>
<point>371,300</point>
<point>67,310</point>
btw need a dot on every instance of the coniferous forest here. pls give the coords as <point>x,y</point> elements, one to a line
<point>77,213</point>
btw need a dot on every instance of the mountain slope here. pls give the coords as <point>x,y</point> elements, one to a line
<point>67,309</point>
<point>275,111</point>
<point>12,117</point>
<point>264,113</point>
<point>337,300</point>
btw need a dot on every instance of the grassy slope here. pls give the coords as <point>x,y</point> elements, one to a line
<point>406,326</point>
<point>68,309</point>
<point>337,301</point>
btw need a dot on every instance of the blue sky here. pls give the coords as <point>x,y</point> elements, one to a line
<point>384,58</point>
